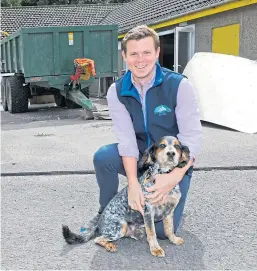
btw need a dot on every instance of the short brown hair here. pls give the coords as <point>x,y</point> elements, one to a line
<point>138,33</point>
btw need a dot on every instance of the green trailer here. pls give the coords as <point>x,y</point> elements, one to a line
<point>40,61</point>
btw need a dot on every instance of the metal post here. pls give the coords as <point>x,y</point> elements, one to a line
<point>99,88</point>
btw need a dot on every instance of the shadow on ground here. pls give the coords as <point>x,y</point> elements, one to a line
<point>134,255</point>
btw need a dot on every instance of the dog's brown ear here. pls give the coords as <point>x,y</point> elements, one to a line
<point>148,159</point>
<point>185,156</point>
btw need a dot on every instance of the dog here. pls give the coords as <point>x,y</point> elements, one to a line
<point>119,220</point>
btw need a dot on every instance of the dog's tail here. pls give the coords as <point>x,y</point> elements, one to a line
<point>73,238</point>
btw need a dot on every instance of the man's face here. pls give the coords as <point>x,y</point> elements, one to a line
<point>141,57</point>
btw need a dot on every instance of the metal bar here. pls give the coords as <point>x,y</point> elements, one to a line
<point>56,49</point>
<point>21,53</point>
<point>14,56</point>
<point>4,57</point>
<point>176,49</point>
<point>115,48</point>
<point>9,66</point>
<point>25,52</point>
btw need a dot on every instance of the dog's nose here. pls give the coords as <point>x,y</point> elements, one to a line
<point>171,154</point>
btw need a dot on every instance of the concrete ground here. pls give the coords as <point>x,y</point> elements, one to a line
<point>219,225</point>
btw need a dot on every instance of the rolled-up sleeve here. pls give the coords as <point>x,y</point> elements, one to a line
<point>122,123</point>
<point>188,118</point>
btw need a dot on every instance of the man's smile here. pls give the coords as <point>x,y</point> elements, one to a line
<point>140,67</point>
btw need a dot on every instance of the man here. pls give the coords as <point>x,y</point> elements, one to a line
<point>148,102</point>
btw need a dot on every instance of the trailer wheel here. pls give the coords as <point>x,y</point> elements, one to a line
<point>3,94</point>
<point>16,94</point>
<point>59,99</point>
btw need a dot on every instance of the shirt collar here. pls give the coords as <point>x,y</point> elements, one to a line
<point>147,84</point>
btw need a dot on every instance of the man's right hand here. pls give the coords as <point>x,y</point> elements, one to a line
<point>136,197</point>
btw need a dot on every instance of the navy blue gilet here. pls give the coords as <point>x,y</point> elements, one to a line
<point>161,100</point>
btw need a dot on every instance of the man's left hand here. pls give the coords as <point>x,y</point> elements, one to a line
<point>164,183</point>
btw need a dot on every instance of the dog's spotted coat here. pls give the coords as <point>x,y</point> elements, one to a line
<point>119,220</point>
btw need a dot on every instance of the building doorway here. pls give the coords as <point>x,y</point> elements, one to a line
<point>177,47</point>
<point>166,58</point>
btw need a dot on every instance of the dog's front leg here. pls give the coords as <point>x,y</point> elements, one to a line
<point>155,248</point>
<point>168,224</point>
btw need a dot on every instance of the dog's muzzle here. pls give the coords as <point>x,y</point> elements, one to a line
<point>171,154</point>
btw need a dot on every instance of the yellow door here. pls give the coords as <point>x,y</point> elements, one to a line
<point>225,40</point>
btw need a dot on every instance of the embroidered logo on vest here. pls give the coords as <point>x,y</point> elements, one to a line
<point>162,110</point>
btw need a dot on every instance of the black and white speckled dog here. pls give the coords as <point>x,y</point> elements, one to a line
<point>119,220</point>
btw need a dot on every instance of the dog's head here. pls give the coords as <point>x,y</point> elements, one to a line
<point>168,152</point>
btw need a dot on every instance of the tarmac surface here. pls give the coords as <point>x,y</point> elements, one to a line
<point>54,147</point>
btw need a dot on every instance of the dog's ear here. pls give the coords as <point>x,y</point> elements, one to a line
<point>148,159</point>
<point>185,156</point>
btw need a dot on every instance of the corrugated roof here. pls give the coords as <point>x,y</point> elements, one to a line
<point>154,11</point>
<point>67,15</point>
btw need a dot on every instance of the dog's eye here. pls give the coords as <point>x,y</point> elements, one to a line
<point>162,146</point>
<point>177,147</point>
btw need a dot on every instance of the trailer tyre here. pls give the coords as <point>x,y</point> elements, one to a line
<point>16,94</point>
<point>3,94</point>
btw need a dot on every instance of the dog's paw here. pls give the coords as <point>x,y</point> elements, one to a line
<point>111,247</point>
<point>103,242</point>
<point>177,241</point>
<point>157,252</point>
